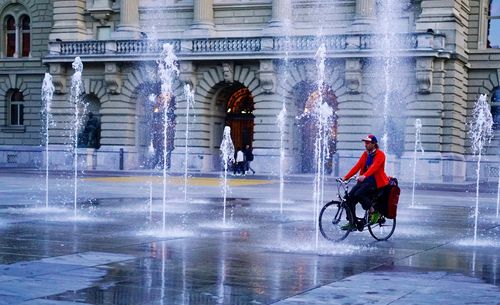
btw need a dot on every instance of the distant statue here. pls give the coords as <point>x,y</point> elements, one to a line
<point>91,135</point>
<point>227,70</point>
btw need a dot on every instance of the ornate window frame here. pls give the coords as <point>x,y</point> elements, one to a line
<point>20,14</point>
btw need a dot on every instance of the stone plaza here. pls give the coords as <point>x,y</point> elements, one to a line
<point>387,64</point>
<point>115,252</point>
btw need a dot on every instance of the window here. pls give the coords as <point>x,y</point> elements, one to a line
<point>25,36</point>
<point>494,24</point>
<point>16,33</point>
<point>11,36</point>
<point>16,107</point>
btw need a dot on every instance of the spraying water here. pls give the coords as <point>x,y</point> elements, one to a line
<point>281,118</point>
<point>189,104</point>
<point>47,95</point>
<point>389,17</point>
<point>151,153</point>
<point>323,115</point>
<point>168,72</point>
<point>418,146</point>
<point>282,125</point>
<point>481,131</point>
<point>79,113</point>
<point>227,150</point>
<point>498,193</point>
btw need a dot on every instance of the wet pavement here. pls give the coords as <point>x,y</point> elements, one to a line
<point>115,251</point>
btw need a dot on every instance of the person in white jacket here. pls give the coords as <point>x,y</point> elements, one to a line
<point>240,162</point>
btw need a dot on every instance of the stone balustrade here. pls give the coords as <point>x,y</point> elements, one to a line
<point>140,47</point>
<point>258,46</point>
<point>79,48</point>
<point>224,45</point>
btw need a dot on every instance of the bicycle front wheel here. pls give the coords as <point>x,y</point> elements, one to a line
<point>331,218</point>
<point>383,229</point>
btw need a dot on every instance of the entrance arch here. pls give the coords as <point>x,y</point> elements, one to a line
<point>306,98</point>
<point>151,123</point>
<point>239,114</point>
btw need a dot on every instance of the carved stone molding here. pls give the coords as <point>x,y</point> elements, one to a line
<point>58,72</point>
<point>267,76</point>
<point>353,75</point>
<point>424,75</point>
<point>101,11</point>
<point>187,73</point>
<point>112,78</point>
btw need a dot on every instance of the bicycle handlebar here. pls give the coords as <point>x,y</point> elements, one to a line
<point>344,184</point>
<point>340,180</point>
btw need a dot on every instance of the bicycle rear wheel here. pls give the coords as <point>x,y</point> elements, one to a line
<point>331,220</point>
<point>383,229</point>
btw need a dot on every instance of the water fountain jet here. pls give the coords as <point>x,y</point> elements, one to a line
<point>47,95</point>
<point>168,71</point>
<point>80,108</point>
<point>189,104</point>
<point>481,131</point>
<point>323,115</point>
<point>227,150</point>
<point>418,146</point>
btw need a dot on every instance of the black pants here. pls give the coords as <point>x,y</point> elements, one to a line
<point>363,193</point>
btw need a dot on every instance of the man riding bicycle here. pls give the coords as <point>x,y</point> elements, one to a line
<point>372,177</point>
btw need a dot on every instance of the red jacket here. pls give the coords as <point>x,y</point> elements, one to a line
<point>376,169</point>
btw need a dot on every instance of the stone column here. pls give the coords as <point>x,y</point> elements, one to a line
<point>129,20</point>
<point>364,16</point>
<point>365,8</point>
<point>203,18</point>
<point>69,23</point>
<point>17,48</point>
<point>281,17</point>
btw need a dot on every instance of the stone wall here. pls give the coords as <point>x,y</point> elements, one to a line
<point>20,144</point>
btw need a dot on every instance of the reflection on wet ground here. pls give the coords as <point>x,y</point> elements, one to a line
<point>114,253</point>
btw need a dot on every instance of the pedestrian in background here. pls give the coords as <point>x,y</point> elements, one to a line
<point>248,158</point>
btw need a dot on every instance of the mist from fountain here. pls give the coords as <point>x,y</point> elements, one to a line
<point>281,118</point>
<point>47,95</point>
<point>480,132</point>
<point>498,193</point>
<point>189,94</point>
<point>323,115</point>
<point>227,151</point>
<point>418,146</point>
<point>388,19</point>
<point>80,109</point>
<point>168,72</point>
<point>151,153</point>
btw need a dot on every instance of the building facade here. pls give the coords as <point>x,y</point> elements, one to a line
<point>244,61</point>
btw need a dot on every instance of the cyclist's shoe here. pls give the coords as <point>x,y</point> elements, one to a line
<point>348,227</point>
<point>374,217</point>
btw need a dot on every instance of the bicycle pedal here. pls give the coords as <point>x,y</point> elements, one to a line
<point>360,225</point>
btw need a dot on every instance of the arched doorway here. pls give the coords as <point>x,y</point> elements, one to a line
<point>90,134</point>
<point>306,98</point>
<point>239,114</point>
<point>151,108</point>
<point>163,113</point>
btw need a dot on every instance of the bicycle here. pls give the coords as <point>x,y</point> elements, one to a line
<point>332,213</point>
